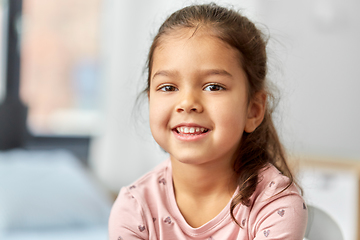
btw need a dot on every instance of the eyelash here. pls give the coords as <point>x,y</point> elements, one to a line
<point>171,88</point>
<point>163,87</point>
<point>222,88</point>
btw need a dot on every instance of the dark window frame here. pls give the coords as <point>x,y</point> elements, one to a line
<point>13,113</point>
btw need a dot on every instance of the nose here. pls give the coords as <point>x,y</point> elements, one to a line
<point>189,101</point>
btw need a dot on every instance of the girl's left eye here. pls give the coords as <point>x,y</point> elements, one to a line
<point>213,87</point>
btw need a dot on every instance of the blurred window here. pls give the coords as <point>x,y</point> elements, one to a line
<point>59,76</point>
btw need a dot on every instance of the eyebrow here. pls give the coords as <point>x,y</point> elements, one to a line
<point>165,73</point>
<point>208,72</point>
<point>216,72</point>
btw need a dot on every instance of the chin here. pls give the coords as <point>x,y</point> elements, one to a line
<point>193,160</point>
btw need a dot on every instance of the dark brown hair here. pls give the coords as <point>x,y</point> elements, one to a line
<point>262,146</point>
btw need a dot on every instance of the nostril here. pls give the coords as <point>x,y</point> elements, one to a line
<point>189,106</point>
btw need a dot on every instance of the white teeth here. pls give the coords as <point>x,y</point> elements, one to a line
<point>190,130</point>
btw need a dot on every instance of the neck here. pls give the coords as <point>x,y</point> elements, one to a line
<point>204,180</point>
<point>202,191</point>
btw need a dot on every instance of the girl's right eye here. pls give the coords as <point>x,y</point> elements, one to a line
<point>167,88</point>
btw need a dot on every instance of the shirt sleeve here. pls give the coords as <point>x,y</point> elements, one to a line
<point>126,218</point>
<point>281,216</point>
<point>282,219</point>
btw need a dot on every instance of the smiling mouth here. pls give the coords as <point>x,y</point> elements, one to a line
<point>191,130</point>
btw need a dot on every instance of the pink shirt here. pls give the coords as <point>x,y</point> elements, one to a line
<point>147,210</point>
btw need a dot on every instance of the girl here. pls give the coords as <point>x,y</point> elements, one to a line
<point>227,177</point>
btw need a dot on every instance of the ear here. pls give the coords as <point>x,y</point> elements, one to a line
<point>256,112</point>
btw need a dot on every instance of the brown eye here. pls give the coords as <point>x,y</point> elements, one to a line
<point>213,87</point>
<point>168,88</point>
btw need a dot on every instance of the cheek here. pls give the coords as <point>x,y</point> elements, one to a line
<point>229,112</point>
<point>231,119</point>
<point>155,124</point>
<point>159,123</point>
<point>158,115</point>
<point>154,115</point>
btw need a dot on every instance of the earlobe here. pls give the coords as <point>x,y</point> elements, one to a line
<point>256,112</point>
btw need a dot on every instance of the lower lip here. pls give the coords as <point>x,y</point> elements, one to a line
<point>190,137</point>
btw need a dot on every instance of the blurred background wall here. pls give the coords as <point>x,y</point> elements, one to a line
<point>313,57</point>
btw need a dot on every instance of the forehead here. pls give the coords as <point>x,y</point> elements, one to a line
<point>201,43</point>
<point>186,35</point>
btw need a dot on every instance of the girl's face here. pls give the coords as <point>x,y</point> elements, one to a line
<point>198,98</point>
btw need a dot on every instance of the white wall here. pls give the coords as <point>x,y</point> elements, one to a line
<point>321,77</point>
<point>315,65</point>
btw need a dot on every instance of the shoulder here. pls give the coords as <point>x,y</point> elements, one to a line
<point>126,218</point>
<point>277,207</point>
<point>130,211</point>
<point>273,184</point>
<point>156,173</point>
<point>146,187</point>
<point>150,185</point>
